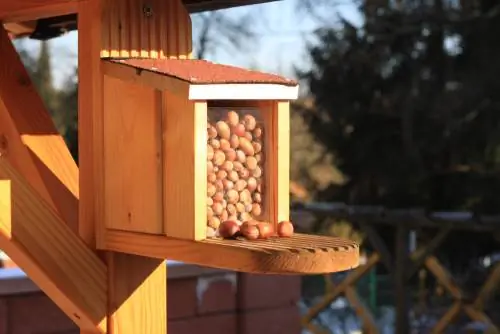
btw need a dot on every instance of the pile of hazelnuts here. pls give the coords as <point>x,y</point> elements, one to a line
<point>235,160</point>
<point>253,229</point>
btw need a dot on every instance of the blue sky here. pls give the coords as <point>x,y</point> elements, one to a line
<point>281,43</point>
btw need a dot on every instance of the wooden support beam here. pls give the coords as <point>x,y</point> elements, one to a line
<point>379,245</point>
<point>475,313</point>
<point>35,237</point>
<point>137,285</point>
<point>489,288</point>
<point>369,324</point>
<point>418,257</point>
<point>448,317</point>
<point>29,139</point>
<point>401,289</point>
<point>26,10</point>
<point>351,279</point>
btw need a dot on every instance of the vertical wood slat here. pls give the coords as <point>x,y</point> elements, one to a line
<point>277,155</point>
<point>146,29</point>
<point>185,166</point>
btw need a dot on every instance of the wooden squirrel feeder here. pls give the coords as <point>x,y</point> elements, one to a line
<point>169,147</point>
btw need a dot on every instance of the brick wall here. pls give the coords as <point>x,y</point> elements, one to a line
<point>200,300</point>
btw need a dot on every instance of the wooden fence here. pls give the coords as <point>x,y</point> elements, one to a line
<point>402,265</point>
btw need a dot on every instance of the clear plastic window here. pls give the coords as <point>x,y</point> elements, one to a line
<point>235,166</point>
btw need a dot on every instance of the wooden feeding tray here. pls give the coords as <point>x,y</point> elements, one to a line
<point>300,254</point>
<point>176,167</point>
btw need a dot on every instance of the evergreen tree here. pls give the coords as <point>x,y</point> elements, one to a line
<point>42,78</point>
<point>408,104</point>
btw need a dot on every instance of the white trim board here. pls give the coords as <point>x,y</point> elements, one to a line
<point>246,91</point>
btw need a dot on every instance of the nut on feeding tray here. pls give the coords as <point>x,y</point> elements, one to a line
<point>205,148</point>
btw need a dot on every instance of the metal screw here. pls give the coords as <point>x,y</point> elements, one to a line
<point>147,10</point>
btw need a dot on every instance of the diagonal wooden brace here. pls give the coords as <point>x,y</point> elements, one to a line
<point>54,257</point>
<point>29,139</point>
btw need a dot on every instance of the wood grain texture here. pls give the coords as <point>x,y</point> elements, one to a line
<point>30,140</point>
<point>137,303</point>
<point>90,123</point>
<point>185,167</point>
<point>146,29</point>
<point>24,10</point>
<point>301,254</point>
<point>145,78</point>
<point>281,126</point>
<point>132,157</point>
<point>277,151</point>
<point>60,263</point>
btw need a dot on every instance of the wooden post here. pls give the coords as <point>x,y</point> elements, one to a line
<point>137,288</point>
<point>401,288</point>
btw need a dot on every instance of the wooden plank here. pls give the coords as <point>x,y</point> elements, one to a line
<point>136,286</point>
<point>185,167</point>
<point>25,10</point>
<point>351,279</point>
<point>369,324</point>
<point>137,296</point>
<point>34,236</point>
<point>299,254</point>
<point>133,144</point>
<point>20,28</point>
<point>447,318</point>
<point>90,124</point>
<point>418,257</point>
<point>489,288</point>
<point>30,140</point>
<point>480,316</point>
<point>146,78</point>
<point>402,298</point>
<point>444,277</point>
<point>281,168</point>
<point>164,27</point>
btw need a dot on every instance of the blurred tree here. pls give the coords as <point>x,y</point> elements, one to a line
<point>408,104</point>
<point>217,30</point>
<point>69,113</point>
<point>311,166</point>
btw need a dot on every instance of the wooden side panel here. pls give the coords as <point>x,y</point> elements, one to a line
<point>185,167</point>
<point>146,29</point>
<point>132,157</point>
<point>281,170</point>
<point>277,150</point>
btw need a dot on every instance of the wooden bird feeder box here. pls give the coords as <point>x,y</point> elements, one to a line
<point>170,149</point>
<point>188,145</point>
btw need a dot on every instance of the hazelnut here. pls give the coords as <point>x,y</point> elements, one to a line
<point>250,122</point>
<point>219,158</point>
<point>251,163</point>
<point>234,141</point>
<point>214,143</point>
<point>233,118</point>
<point>246,146</point>
<point>285,229</point>
<point>224,145</point>
<point>229,229</point>
<point>223,129</point>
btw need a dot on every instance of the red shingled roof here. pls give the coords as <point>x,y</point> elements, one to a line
<point>204,72</point>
